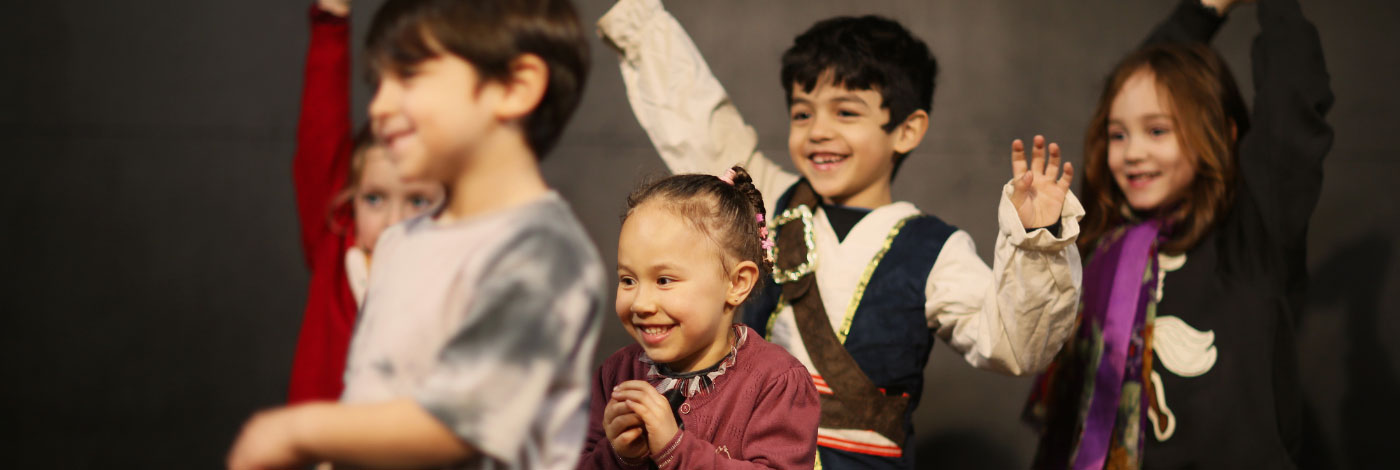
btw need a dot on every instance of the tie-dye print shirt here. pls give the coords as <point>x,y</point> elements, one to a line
<point>490,324</point>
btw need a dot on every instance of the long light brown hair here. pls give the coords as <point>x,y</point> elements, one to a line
<point>1208,113</point>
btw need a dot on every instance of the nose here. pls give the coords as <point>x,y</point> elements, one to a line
<point>1134,150</point>
<point>820,130</point>
<point>397,211</point>
<point>384,103</point>
<point>644,302</point>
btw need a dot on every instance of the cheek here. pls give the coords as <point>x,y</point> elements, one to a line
<point>1183,174</point>
<point>795,138</point>
<point>623,305</point>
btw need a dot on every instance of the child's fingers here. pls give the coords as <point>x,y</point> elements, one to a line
<point>644,411</point>
<point>1068,176</point>
<point>1054,165</point>
<point>622,423</point>
<point>614,410</point>
<point>630,435</point>
<point>634,385</point>
<point>1038,154</point>
<point>635,399</point>
<point>1018,158</point>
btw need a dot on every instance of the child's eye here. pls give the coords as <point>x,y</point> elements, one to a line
<point>844,113</point>
<point>664,281</point>
<point>1116,135</point>
<point>406,72</point>
<point>626,281</point>
<point>420,202</point>
<point>801,116</point>
<point>373,199</point>
<point>1160,131</point>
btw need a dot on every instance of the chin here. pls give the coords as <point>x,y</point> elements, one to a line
<point>827,189</point>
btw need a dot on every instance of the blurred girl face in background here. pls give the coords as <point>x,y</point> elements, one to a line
<point>1145,154</point>
<point>383,199</point>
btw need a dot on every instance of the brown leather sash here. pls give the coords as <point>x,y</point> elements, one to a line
<point>855,402</point>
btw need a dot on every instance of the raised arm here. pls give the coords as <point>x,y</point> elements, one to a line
<point>679,103</point>
<point>1014,317</point>
<point>1193,21</point>
<point>323,128</point>
<point>1281,155</point>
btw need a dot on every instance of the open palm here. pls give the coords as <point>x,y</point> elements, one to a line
<point>1038,189</point>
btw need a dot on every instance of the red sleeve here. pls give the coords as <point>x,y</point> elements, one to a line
<point>323,129</point>
<point>323,154</point>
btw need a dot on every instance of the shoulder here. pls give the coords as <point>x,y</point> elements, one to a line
<point>768,359</point>
<point>544,240</point>
<point>551,226</point>
<point>919,224</point>
<point>929,226</point>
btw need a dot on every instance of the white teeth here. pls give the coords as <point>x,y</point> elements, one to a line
<point>823,159</point>
<point>655,330</point>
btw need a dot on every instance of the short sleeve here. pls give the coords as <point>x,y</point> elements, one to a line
<point>508,374</point>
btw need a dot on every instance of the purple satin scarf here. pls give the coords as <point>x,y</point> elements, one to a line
<point>1126,265</point>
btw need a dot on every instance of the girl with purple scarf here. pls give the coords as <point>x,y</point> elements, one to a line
<point>1195,238</point>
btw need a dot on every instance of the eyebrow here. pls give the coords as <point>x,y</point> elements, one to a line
<point>1144,118</point>
<point>654,267</point>
<point>846,98</point>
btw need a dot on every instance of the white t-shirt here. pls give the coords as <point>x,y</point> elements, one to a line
<point>490,324</point>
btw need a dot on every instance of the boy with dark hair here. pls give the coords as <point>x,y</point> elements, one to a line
<point>480,318</point>
<point>863,284</point>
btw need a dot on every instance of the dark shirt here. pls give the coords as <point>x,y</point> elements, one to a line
<point>1244,280</point>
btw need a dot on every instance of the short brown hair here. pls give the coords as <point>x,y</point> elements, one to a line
<point>489,34</point>
<point>1208,112</point>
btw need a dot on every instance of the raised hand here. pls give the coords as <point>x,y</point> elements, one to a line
<point>624,430</point>
<point>1223,6</point>
<point>339,8</point>
<point>1038,190</point>
<point>652,408</point>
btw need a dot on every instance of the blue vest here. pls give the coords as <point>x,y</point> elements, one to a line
<point>889,336</point>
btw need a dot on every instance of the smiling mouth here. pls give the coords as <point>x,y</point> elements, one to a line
<point>826,161</point>
<point>1138,180</point>
<point>654,334</point>
<point>389,139</point>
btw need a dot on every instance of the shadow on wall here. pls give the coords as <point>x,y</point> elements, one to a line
<point>1351,282</point>
<point>964,450</point>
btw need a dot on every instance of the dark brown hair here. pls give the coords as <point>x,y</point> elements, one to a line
<point>865,53</point>
<point>490,34</point>
<point>725,213</point>
<point>1208,113</point>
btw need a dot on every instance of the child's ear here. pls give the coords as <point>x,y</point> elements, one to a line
<point>910,132</point>
<point>523,88</point>
<point>741,280</point>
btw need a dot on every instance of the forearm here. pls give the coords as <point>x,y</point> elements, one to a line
<point>397,433</point>
<point>1191,22</point>
<point>1281,156</point>
<point>323,126</point>
<point>677,99</point>
<point>1013,317</point>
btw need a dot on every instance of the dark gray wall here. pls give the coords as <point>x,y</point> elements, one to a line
<point>154,285</point>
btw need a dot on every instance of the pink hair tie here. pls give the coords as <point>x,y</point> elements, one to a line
<point>760,218</point>
<point>728,177</point>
